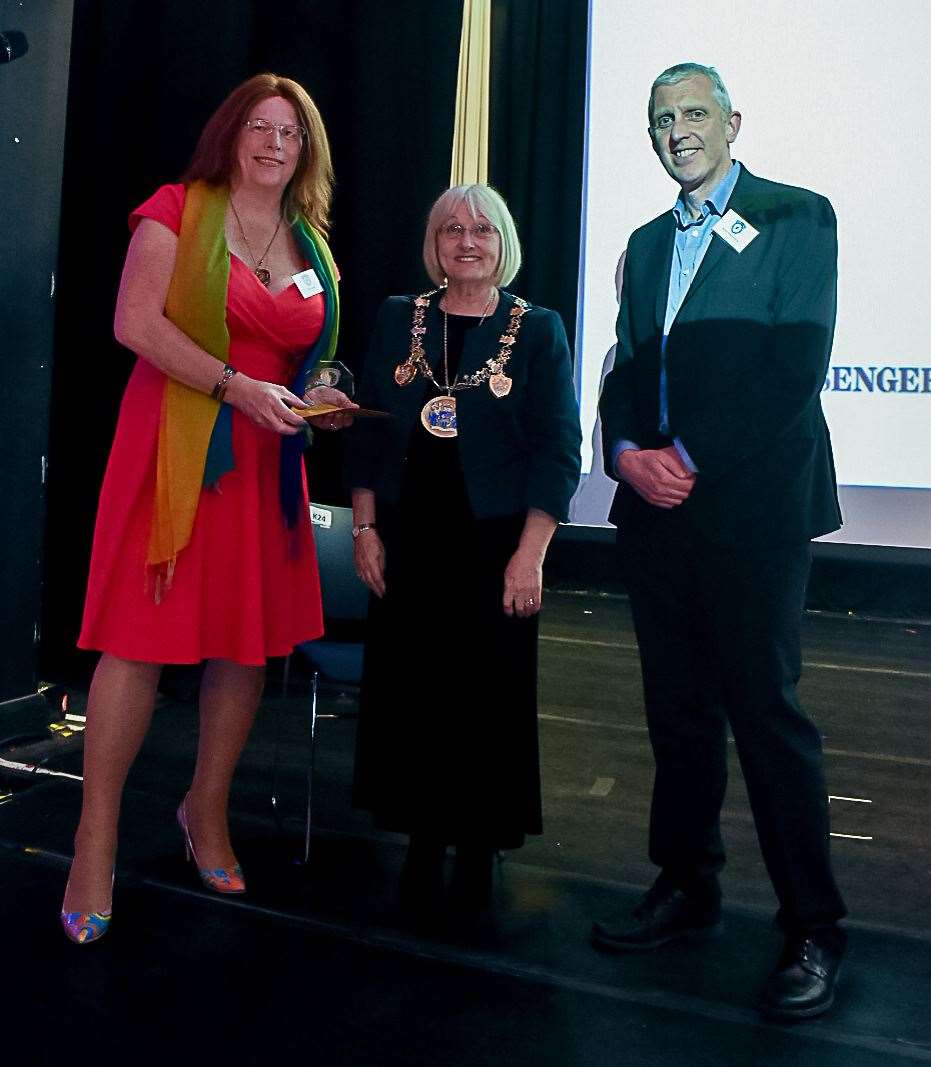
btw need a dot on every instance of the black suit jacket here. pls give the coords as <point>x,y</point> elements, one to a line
<point>517,452</point>
<point>746,359</point>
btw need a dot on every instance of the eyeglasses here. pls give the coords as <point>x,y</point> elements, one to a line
<point>289,134</point>
<point>481,231</point>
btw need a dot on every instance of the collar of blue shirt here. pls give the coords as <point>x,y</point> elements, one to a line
<point>713,205</point>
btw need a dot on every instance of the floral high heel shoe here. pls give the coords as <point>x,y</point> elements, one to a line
<point>85,927</point>
<point>219,879</point>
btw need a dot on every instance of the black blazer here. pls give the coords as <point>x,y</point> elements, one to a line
<point>746,360</point>
<point>517,452</point>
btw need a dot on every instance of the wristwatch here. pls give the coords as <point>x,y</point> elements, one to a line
<point>356,530</point>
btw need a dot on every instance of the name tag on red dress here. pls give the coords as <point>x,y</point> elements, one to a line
<point>307,282</point>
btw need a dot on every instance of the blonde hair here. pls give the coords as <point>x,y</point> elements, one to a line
<point>309,191</point>
<point>480,200</point>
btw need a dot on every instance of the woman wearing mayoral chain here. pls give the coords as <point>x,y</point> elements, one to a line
<point>455,501</point>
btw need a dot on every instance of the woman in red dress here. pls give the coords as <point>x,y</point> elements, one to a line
<point>203,548</point>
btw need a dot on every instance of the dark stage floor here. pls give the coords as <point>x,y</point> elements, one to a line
<point>318,963</point>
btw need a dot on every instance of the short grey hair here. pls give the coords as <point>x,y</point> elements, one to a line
<point>681,71</point>
<point>480,200</point>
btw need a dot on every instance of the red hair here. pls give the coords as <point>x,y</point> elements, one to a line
<point>214,161</point>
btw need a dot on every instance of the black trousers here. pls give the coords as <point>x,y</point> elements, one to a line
<point>718,629</point>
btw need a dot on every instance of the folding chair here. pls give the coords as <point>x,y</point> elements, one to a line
<point>345,607</point>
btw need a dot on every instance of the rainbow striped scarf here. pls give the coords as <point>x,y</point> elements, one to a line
<point>195,439</point>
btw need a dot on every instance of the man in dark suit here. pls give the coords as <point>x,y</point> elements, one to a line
<point>712,425</point>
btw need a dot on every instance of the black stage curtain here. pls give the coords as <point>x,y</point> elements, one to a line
<point>144,78</point>
<point>33,90</point>
<point>537,140</point>
<point>384,76</point>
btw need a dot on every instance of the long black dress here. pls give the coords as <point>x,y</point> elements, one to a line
<point>447,741</point>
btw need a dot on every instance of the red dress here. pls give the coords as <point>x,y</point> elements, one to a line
<point>246,586</point>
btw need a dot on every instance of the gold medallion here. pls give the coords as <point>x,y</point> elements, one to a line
<point>405,373</point>
<point>439,416</point>
<point>500,385</point>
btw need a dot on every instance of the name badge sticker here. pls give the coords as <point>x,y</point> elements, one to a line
<point>308,283</point>
<point>737,232</point>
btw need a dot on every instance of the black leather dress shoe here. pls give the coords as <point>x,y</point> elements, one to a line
<point>665,914</point>
<point>802,985</point>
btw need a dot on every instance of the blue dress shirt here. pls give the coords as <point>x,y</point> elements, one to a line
<point>693,239</point>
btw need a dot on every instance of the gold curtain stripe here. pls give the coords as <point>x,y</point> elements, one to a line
<point>470,134</point>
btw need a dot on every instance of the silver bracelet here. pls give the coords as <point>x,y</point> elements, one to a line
<point>220,388</point>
